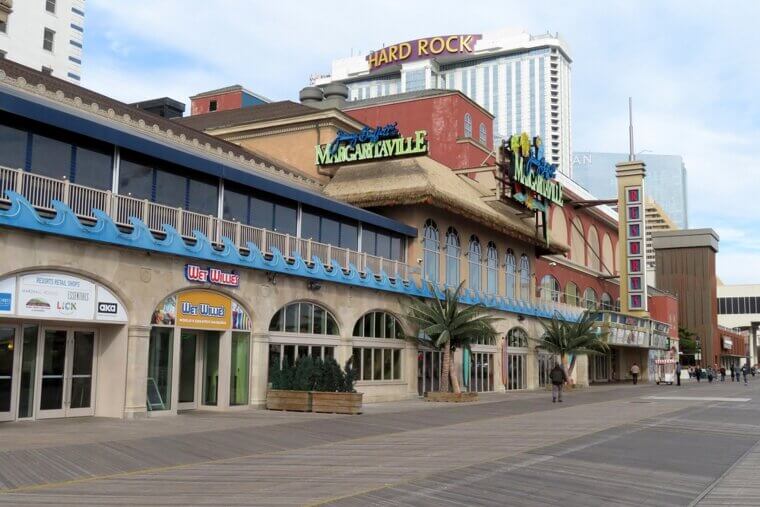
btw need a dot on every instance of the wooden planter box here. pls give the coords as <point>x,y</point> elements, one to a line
<point>298,401</point>
<point>336,403</point>
<point>451,397</point>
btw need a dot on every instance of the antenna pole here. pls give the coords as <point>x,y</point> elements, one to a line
<point>631,154</point>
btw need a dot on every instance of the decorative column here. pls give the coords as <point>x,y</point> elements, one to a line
<point>259,369</point>
<point>138,341</point>
<point>632,250</point>
<point>411,374</point>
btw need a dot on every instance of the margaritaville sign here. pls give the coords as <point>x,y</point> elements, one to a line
<point>531,175</point>
<point>370,144</point>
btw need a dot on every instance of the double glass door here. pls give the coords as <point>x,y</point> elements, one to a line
<point>65,379</point>
<point>198,360</point>
<point>8,358</point>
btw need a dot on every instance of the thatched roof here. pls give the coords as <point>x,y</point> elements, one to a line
<point>421,180</point>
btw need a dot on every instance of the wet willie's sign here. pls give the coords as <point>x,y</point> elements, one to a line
<point>214,276</point>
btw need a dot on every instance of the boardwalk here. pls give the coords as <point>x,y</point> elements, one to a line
<point>604,446</point>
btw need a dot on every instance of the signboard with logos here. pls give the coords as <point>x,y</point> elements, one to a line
<point>728,343</point>
<point>370,144</point>
<point>420,49</point>
<point>214,276</point>
<point>201,309</point>
<point>635,248</point>
<point>628,337</point>
<point>531,175</point>
<point>59,296</point>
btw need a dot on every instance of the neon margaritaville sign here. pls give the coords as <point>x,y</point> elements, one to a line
<point>531,175</point>
<point>370,144</point>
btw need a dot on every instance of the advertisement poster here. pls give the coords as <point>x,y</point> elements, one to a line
<point>7,295</point>
<point>199,309</point>
<point>54,295</point>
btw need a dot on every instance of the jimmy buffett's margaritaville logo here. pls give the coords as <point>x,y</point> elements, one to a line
<point>531,174</point>
<point>370,144</point>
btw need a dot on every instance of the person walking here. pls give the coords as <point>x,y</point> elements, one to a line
<point>722,373</point>
<point>558,378</point>
<point>709,374</point>
<point>698,373</point>
<point>635,370</point>
<point>678,374</point>
<point>738,373</point>
<point>733,372</point>
<point>745,374</point>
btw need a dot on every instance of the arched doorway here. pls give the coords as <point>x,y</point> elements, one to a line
<point>52,328</point>
<point>199,339</point>
<point>517,359</point>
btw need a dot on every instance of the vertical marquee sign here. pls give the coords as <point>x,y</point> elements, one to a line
<point>631,237</point>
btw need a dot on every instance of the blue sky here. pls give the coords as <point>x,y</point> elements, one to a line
<point>691,67</point>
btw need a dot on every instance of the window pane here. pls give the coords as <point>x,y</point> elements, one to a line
<point>387,364</point>
<point>12,147</point>
<point>274,356</point>
<point>397,364</point>
<point>390,326</point>
<point>332,326</point>
<point>160,368</point>
<point>235,206</point>
<point>367,367</point>
<point>356,360</point>
<point>135,179</point>
<point>203,197</point>
<point>276,323</point>
<point>94,167</point>
<point>349,236</point>
<point>319,320</point>
<point>289,355</point>
<point>285,218</point>
<point>330,231</point>
<point>239,361</point>
<point>383,245</point>
<point>397,252</point>
<point>305,318</point>
<point>378,325</point>
<point>309,225</point>
<point>368,241</point>
<point>377,369</point>
<point>359,327</point>
<point>170,188</point>
<point>329,352</point>
<point>262,213</point>
<point>290,318</point>
<point>369,330</point>
<point>50,157</point>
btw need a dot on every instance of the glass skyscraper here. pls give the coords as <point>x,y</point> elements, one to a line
<point>665,180</point>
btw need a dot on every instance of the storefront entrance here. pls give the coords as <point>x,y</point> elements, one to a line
<point>198,368</point>
<point>428,371</point>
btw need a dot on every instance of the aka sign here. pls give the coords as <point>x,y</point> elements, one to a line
<point>214,276</point>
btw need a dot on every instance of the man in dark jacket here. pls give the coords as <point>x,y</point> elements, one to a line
<point>558,378</point>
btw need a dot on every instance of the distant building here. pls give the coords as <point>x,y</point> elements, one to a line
<point>46,35</point>
<point>224,99</point>
<point>655,219</point>
<point>665,180</point>
<point>739,308</point>
<point>522,79</point>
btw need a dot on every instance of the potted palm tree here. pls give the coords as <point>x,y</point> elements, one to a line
<point>568,338</point>
<point>448,325</point>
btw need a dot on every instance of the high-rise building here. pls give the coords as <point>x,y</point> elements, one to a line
<point>655,219</point>
<point>522,79</point>
<point>44,34</point>
<point>665,180</point>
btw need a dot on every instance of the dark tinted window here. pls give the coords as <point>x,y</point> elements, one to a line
<point>12,147</point>
<point>309,225</point>
<point>135,178</point>
<point>170,188</point>
<point>369,239</point>
<point>262,213</point>
<point>202,197</point>
<point>50,157</point>
<point>349,236</point>
<point>285,218</point>
<point>330,231</point>
<point>397,251</point>
<point>94,166</point>
<point>383,247</point>
<point>235,206</point>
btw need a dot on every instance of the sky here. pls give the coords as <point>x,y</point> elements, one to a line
<point>690,66</point>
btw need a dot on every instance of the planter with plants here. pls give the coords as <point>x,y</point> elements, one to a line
<point>313,385</point>
<point>447,325</point>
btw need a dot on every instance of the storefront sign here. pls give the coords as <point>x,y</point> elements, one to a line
<point>200,309</point>
<point>635,252</point>
<point>58,296</point>
<point>728,343</point>
<point>195,273</point>
<point>449,45</point>
<point>532,176</point>
<point>372,145</point>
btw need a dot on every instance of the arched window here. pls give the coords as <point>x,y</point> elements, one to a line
<point>517,337</point>
<point>304,318</point>
<point>572,294</point>
<point>593,254</point>
<point>524,278</point>
<point>606,301</point>
<point>453,251</point>
<point>378,325</point>
<point>467,125</point>
<point>550,289</point>
<point>474,263</point>
<point>589,298</point>
<point>483,134</point>
<point>430,248</point>
<point>511,271</point>
<point>492,269</point>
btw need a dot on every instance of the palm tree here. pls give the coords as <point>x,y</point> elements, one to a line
<point>449,325</point>
<point>565,338</point>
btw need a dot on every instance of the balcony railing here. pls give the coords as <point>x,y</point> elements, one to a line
<point>41,191</point>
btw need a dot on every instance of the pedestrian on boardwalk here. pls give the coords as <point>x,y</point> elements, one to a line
<point>697,372</point>
<point>635,370</point>
<point>738,373</point>
<point>733,372</point>
<point>745,373</point>
<point>709,374</point>
<point>558,378</point>
<point>678,374</point>
<point>691,373</point>
<point>722,373</point>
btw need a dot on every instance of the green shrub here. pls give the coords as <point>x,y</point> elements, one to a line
<point>313,374</point>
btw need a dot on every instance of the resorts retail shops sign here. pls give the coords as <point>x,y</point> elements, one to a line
<point>370,144</point>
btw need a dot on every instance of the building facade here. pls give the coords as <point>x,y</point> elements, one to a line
<point>666,180</point>
<point>739,308</point>
<point>46,35</point>
<point>523,80</point>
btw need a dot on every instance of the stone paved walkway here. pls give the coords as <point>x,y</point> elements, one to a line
<point>604,446</point>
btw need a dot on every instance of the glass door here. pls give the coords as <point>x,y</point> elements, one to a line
<point>7,360</point>
<point>66,376</point>
<point>188,368</point>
